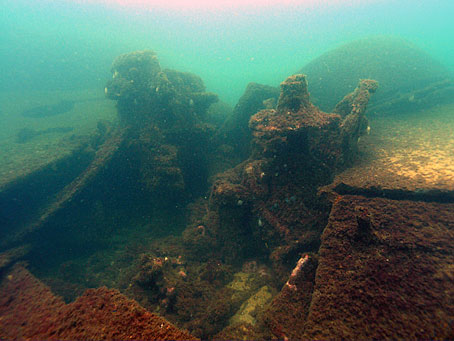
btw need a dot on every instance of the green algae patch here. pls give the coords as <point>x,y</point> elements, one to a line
<point>254,306</point>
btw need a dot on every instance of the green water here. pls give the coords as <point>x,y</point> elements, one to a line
<point>69,45</point>
<point>95,207</point>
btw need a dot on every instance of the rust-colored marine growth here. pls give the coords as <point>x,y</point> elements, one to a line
<point>268,204</point>
<point>29,310</point>
<point>332,137</point>
<point>399,285</point>
<point>287,313</point>
<point>166,111</point>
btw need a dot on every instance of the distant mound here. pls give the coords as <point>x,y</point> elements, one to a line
<point>399,66</point>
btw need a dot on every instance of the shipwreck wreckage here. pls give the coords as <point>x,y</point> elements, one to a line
<point>351,259</point>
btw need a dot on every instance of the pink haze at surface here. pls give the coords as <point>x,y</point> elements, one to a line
<point>221,4</point>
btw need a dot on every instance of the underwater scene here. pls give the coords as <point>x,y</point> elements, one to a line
<point>227,170</point>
